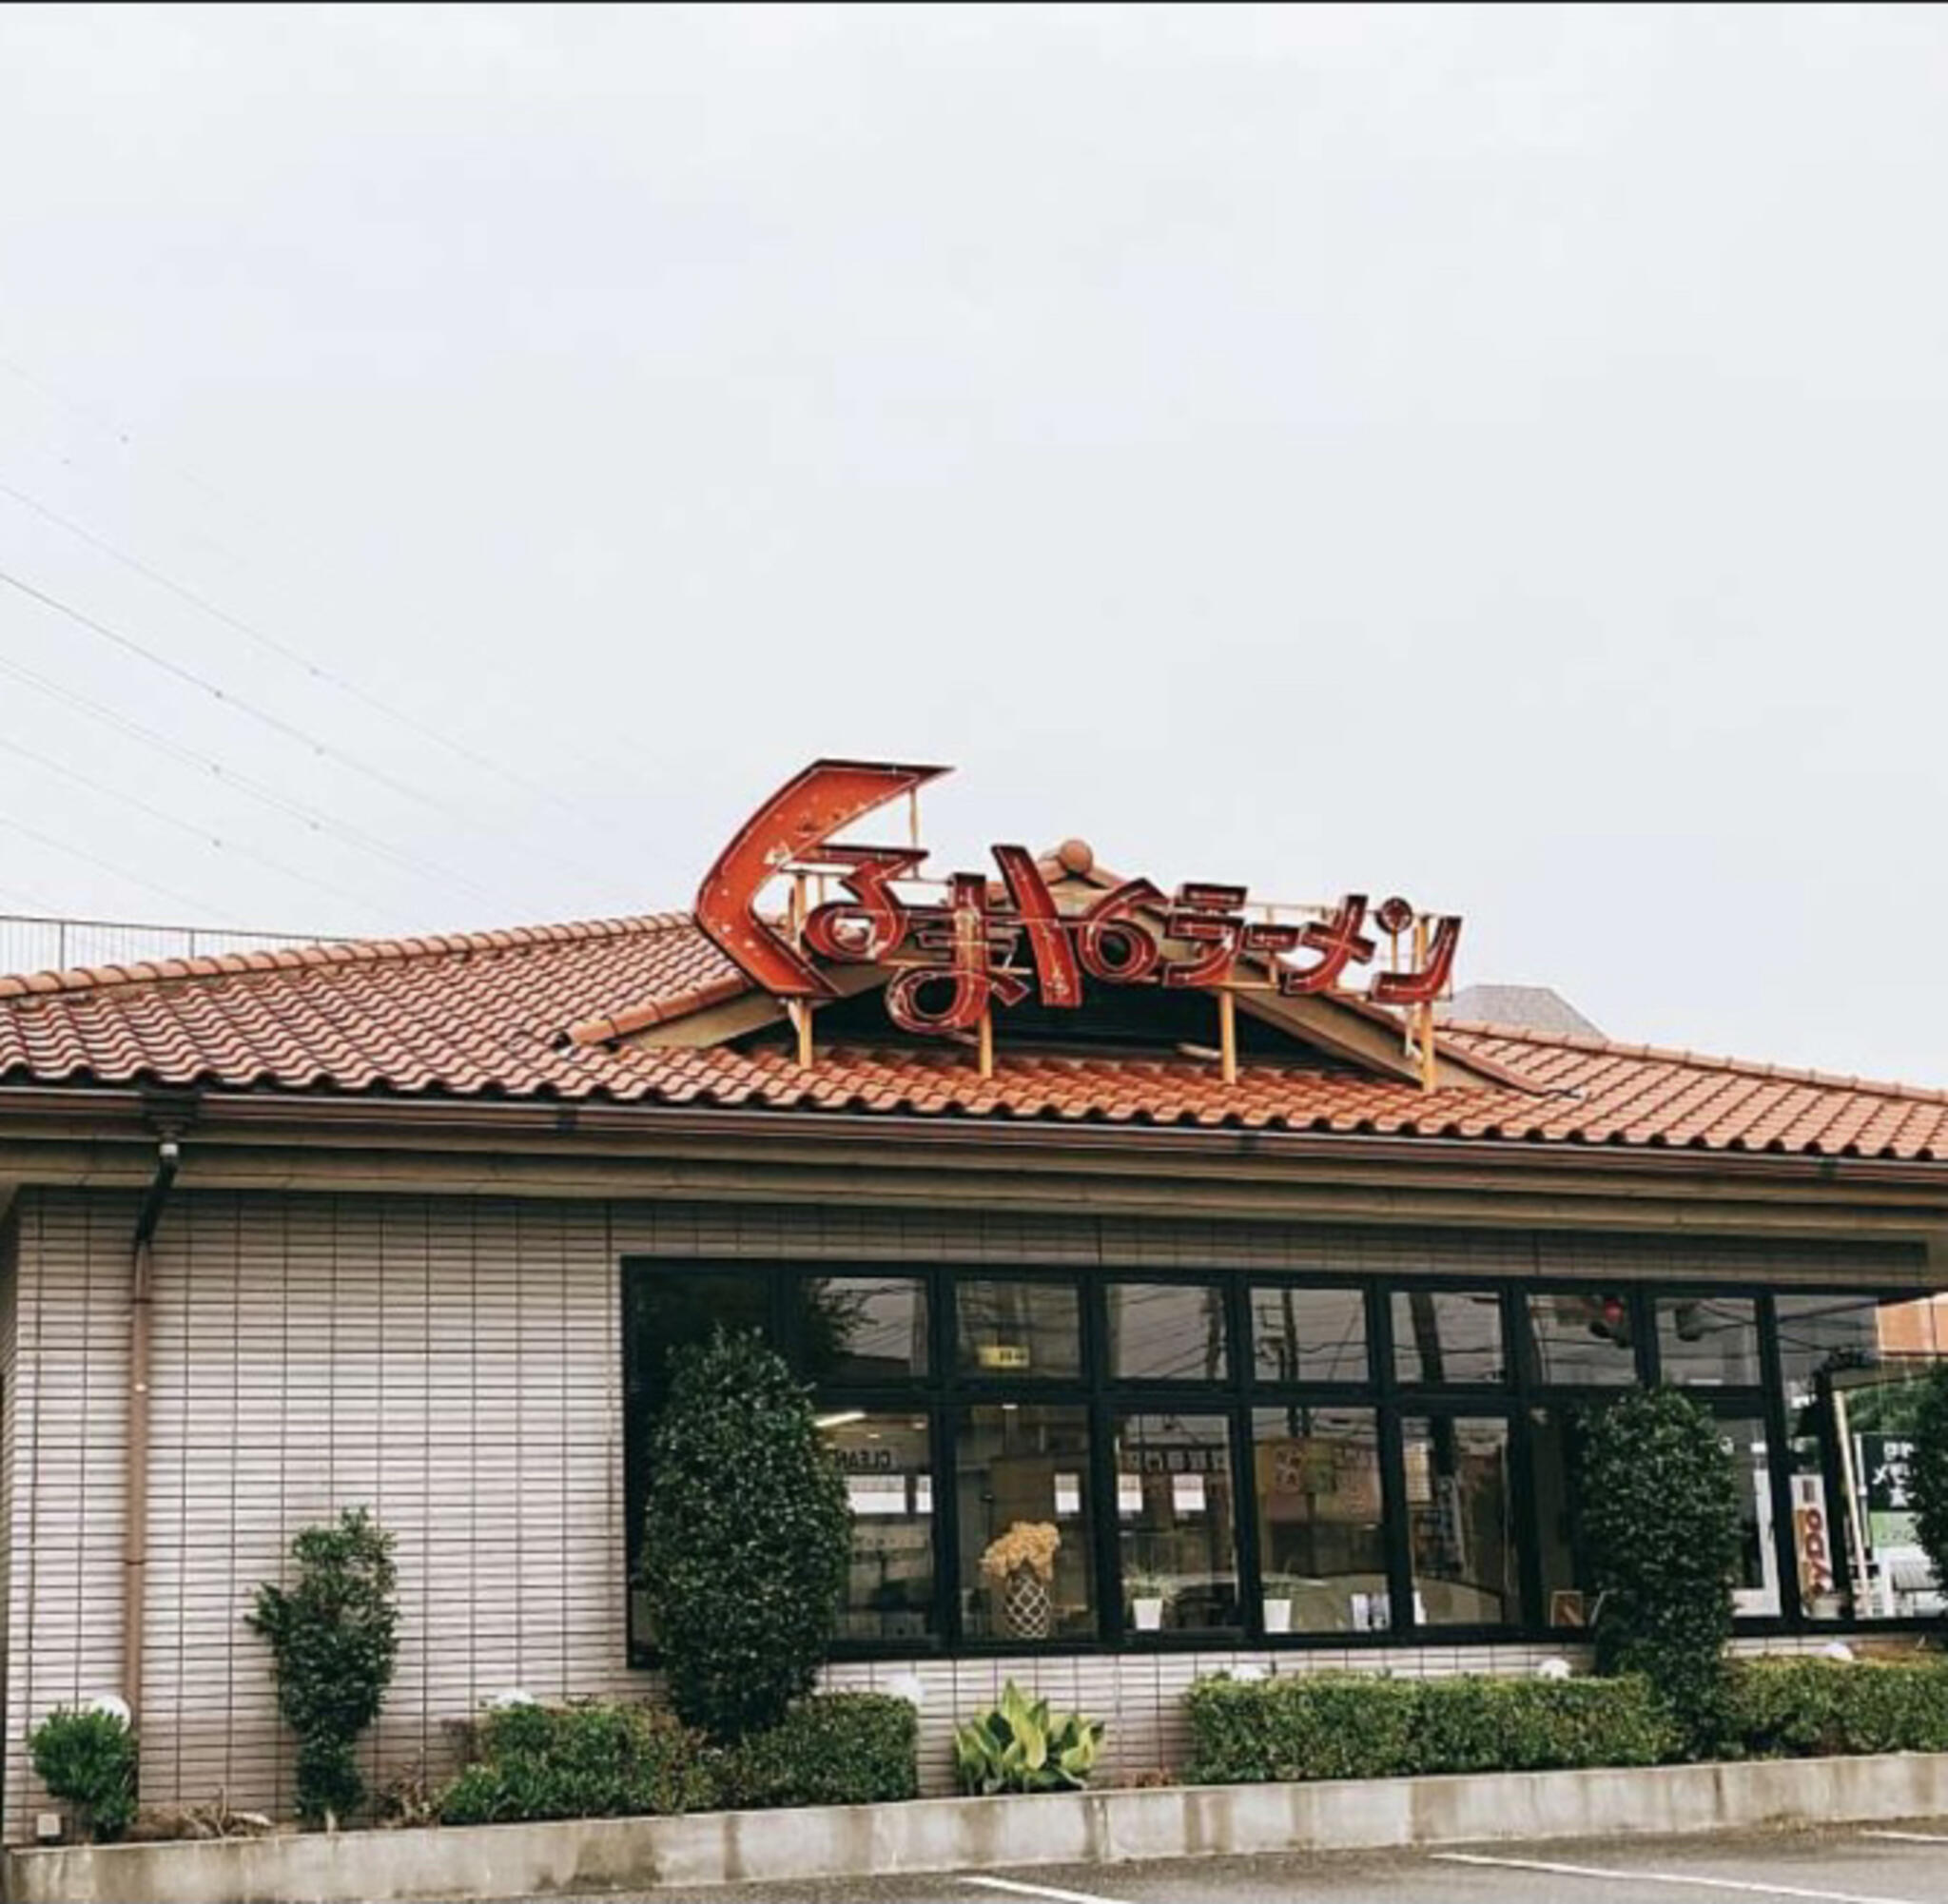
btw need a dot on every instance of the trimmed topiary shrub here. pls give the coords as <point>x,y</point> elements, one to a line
<point>334,1640</point>
<point>580,1762</point>
<point>89,1760</point>
<point>1360,1725</point>
<point>1661,1520</point>
<point>1927,1471</point>
<point>836,1748</point>
<point>746,1538</point>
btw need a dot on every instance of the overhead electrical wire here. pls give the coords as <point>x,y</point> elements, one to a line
<point>73,851</point>
<point>284,652</point>
<point>275,723</point>
<point>310,816</point>
<point>153,812</point>
<point>99,419</point>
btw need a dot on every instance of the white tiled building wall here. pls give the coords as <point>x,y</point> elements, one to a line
<point>454,1365</point>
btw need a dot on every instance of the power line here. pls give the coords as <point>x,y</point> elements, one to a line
<point>286,652</point>
<point>21,827</point>
<point>276,722</point>
<point>196,832</point>
<point>310,816</point>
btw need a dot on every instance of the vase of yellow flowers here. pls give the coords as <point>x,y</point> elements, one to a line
<point>1019,1566</point>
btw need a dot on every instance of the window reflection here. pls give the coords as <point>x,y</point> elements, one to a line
<point>1708,1341</point>
<point>1555,1453</point>
<point>1167,1332</point>
<point>1022,1329</point>
<point>1316,1483</point>
<point>1022,1474</point>
<point>673,1309</point>
<point>1745,1443</point>
<point>1581,1336</point>
<point>1174,1515</point>
<point>864,1328</point>
<point>1460,1521</point>
<point>1308,1334</point>
<point>888,1466</point>
<point>1448,1335</point>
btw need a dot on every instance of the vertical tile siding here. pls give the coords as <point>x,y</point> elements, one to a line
<point>453,1362</point>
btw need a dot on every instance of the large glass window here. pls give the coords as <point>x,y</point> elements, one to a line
<point>1167,1332</point>
<point>1175,1516</point>
<point>1460,1517</point>
<point>886,1461</point>
<point>1756,1593</point>
<point>675,1308</point>
<point>1308,1334</point>
<point>1448,1335</point>
<point>1022,1495</point>
<point>863,1329</point>
<point>1708,1341</point>
<point>1581,1336</point>
<point>1847,1362</point>
<point>1023,1329</point>
<point>1555,1453</point>
<point>1322,1552</point>
<point>1080,1432</point>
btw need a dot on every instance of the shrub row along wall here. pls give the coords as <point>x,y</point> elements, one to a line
<point>1342,1725</point>
<point>611,1760</point>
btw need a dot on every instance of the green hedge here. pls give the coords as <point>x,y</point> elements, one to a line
<point>838,1749</point>
<point>1826,1708</point>
<point>601,1760</point>
<point>580,1761</point>
<point>1357,1725</point>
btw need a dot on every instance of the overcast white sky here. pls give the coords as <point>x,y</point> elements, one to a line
<point>1496,455</point>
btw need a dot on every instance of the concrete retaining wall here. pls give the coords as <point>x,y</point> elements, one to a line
<point>981,1833</point>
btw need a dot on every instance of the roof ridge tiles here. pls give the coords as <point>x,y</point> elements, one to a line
<point>1698,1061</point>
<point>330,952</point>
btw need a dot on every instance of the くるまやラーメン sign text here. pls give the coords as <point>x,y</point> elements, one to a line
<point>956,950</point>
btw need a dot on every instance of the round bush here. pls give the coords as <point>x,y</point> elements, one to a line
<point>1928,1470</point>
<point>745,1537</point>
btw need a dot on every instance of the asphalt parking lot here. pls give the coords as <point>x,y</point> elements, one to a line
<point>1903,1864</point>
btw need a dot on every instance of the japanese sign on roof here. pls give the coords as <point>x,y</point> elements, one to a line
<point>956,950</point>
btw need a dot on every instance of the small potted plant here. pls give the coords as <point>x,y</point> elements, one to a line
<point>1020,1566</point>
<point>1277,1604</point>
<point>1148,1594</point>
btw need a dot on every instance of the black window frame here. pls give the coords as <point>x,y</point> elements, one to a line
<point>945,1389</point>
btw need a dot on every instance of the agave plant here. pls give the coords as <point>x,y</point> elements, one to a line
<point>1015,1746</point>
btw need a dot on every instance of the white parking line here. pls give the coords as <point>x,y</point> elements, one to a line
<point>1912,1838</point>
<point>1666,1878</point>
<point>1042,1891</point>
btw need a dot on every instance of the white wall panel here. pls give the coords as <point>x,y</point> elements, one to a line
<point>454,1365</point>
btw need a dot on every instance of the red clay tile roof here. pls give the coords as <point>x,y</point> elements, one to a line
<point>491,1014</point>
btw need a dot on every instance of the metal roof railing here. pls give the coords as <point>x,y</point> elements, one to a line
<point>43,942</point>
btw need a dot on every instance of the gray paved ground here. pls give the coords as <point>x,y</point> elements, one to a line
<point>1839,1865</point>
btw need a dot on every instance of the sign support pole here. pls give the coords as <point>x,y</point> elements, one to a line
<point>1227,1034</point>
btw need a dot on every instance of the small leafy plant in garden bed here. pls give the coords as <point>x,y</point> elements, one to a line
<point>1016,1746</point>
<point>87,1759</point>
